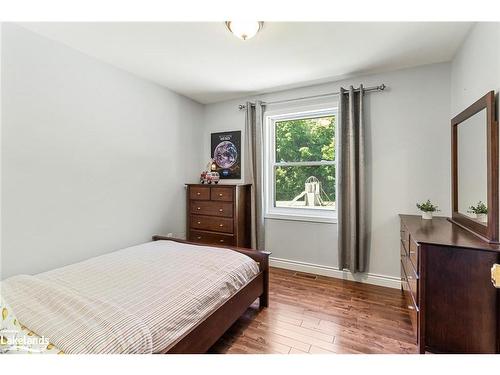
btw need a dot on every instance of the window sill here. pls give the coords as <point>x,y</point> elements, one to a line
<point>305,218</point>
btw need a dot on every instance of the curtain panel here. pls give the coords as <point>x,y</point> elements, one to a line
<point>351,200</point>
<point>254,169</point>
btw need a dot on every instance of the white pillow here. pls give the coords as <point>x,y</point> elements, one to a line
<point>12,337</point>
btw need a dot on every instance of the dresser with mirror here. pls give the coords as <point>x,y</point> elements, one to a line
<point>450,271</point>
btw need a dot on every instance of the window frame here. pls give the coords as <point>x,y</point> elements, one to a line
<point>289,213</point>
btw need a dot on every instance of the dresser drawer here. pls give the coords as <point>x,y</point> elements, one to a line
<point>211,238</point>
<point>402,250</point>
<point>222,194</point>
<point>412,307</point>
<point>413,253</point>
<point>411,278</point>
<point>217,224</point>
<point>199,192</point>
<point>405,236</point>
<point>403,232</point>
<point>211,208</point>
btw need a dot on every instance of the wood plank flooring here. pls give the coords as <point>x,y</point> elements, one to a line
<point>317,314</point>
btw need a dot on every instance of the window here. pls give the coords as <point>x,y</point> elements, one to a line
<point>301,170</point>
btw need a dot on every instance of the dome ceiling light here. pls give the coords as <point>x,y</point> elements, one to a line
<point>244,29</point>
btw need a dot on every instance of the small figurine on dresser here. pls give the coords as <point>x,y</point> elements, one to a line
<point>210,175</point>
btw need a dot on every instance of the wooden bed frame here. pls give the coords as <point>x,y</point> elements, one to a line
<point>209,330</point>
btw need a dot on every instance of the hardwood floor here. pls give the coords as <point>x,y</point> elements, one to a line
<point>317,314</point>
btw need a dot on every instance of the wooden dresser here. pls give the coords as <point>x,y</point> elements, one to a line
<point>446,278</point>
<point>219,214</point>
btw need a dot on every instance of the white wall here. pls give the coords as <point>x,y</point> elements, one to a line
<point>408,161</point>
<point>93,158</point>
<point>475,70</point>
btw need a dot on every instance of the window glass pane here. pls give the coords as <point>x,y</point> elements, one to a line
<point>311,139</point>
<point>305,187</point>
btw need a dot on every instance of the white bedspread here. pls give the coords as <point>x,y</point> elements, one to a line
<point>142,299</point>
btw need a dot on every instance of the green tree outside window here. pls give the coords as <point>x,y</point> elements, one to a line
<point>305,140</point>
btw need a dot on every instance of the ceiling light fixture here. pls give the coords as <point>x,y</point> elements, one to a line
<point>244,29</point>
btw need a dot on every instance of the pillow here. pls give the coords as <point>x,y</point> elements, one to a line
<point>12,337</point>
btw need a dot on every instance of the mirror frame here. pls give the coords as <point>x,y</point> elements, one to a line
<point>488,232</point>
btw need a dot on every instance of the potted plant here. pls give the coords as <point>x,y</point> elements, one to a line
<point>427,209</point>
<point>481,212</point>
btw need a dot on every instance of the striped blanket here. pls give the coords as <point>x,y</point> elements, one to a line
<point>142,299</point>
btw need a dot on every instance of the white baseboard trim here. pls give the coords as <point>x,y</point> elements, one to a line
<point>369,278</point>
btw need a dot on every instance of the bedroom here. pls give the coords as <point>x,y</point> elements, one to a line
<point>250,188</point>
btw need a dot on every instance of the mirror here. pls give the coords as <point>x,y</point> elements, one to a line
<point>474,148</point>
<point>472,167</point>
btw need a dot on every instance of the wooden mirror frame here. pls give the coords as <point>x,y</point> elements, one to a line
<point>488,232</point>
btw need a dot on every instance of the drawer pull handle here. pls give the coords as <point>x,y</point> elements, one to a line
<point>221,210</point>
<point>220,194</point>
<point>198,238</point>
<point>199,222</point>
<point>198,193</point>
<point>221,241</point>
<point>495,275</point>
<point>198,208</point>
<point>411,307</point>
<point>221,225</point>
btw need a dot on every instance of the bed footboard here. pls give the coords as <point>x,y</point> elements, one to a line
<point>208,331</point>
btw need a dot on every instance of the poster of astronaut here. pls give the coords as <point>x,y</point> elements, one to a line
<point>226,153</point>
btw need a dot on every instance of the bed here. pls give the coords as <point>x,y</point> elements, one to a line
<point>165,296</point>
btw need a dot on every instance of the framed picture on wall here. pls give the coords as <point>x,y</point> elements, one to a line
<point>226,152</point>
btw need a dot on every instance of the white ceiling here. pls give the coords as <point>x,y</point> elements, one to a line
<point>203,61</point>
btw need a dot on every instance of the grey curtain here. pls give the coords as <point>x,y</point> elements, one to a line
<point>254,168</point>
<point>351,200</point>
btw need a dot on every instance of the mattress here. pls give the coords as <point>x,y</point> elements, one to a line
<point>142,299</point>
